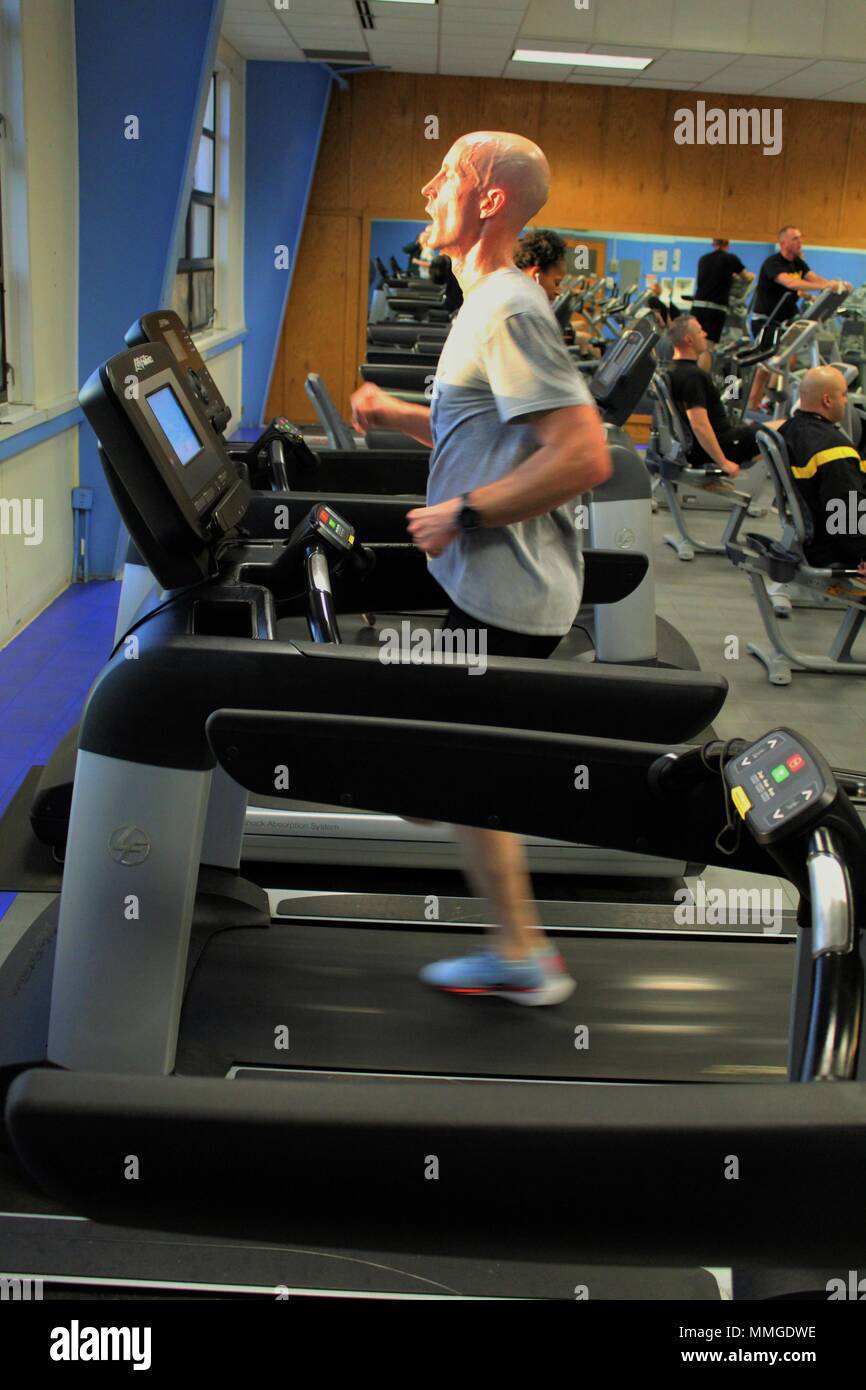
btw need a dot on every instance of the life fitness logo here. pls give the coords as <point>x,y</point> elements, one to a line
<point>139,362</point>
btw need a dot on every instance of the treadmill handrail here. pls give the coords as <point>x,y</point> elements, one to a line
<point>359,761</point>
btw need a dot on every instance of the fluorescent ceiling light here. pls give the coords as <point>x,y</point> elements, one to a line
<point>578,60</point>
<point>405,2</point>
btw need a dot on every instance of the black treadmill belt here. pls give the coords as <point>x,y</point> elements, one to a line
<point>660,1010</point>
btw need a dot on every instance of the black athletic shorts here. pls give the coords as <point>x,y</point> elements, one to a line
<point>712,321</point>
<point>501,642</point>
<point>738,443</point>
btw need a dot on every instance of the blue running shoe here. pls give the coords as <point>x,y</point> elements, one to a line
<point>540,979</point>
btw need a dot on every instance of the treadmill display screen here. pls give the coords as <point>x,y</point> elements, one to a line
<point>175,425</point>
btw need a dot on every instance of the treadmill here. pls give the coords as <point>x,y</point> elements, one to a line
<point>621,616</point>
<point>292,1082</point>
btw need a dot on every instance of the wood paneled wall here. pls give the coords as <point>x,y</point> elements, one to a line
<point>615,167</point>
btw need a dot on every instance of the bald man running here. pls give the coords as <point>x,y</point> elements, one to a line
<point>828,471</point>
<point>516,439</point>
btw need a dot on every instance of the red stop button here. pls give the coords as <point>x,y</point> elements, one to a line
<point>795,762</point>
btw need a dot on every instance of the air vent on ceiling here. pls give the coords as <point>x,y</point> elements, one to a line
<point>364,14</point>
<point>337,55</point>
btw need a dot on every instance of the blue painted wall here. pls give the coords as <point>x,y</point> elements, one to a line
<point>152,61</point>
<point>285,116</point>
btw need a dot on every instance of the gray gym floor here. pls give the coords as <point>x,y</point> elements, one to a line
<point>709,600</point>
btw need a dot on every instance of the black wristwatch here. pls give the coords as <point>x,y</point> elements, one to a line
<point>468,518</point>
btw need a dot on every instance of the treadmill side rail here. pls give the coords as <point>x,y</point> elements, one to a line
<point>638,1172</point>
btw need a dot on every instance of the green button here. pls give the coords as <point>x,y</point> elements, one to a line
<point>780,773</point>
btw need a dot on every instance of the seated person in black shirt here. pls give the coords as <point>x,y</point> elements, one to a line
<point>784,276</point>
<point>718,443</point>
<point>716,272</point>
<point>829,473</point>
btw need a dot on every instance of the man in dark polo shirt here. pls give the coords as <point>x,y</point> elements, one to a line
<point>784,277</point>
<point>716,272</point>
<point>829,473</point>
<point>718,443</point>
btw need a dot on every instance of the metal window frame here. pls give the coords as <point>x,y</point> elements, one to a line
<point>188,264</point>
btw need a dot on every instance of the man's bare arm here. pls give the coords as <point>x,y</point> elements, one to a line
<point>375,409</point>
<point>572,458</point>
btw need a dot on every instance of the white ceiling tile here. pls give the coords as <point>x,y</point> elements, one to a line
<point>559,19</point>
<point>856,92</point>
<point>583,80</point>
<point>454,68</point>
<point>845,29</point>
<point>839,72</point>
<point>535,72</point>
<point>732,86</point>
<point>634,21</point>
<point>711,24</point>
<point>481,26</point>
<point>552,45</point>
<point>699,58</point>
<point>257,26</point>
<point>694,66</point>
<point>388,52</point>
<point>778,26</point>
<point>479,6</point>
<point>628,50</point>
<point>333,23</point>
<point>667,83</point>
<point>819,80</point>
<point>773,68</point>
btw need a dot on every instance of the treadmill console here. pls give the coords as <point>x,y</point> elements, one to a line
<point>174,483</point>
<point>165,326</point>
<point>824,305</point>
<point>780,785</point>
<point>626,372</point>
<point>333,528</point>
<point>798,334</point>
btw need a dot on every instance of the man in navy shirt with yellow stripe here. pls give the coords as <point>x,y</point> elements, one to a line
<point>829,473</point>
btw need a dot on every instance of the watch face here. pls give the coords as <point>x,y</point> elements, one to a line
<point>469,518</point>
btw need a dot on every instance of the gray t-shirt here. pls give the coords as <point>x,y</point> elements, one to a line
<point>504,359</point>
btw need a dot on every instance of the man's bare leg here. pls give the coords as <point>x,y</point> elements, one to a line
<point>759,385</point>
<point>495,863</point>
